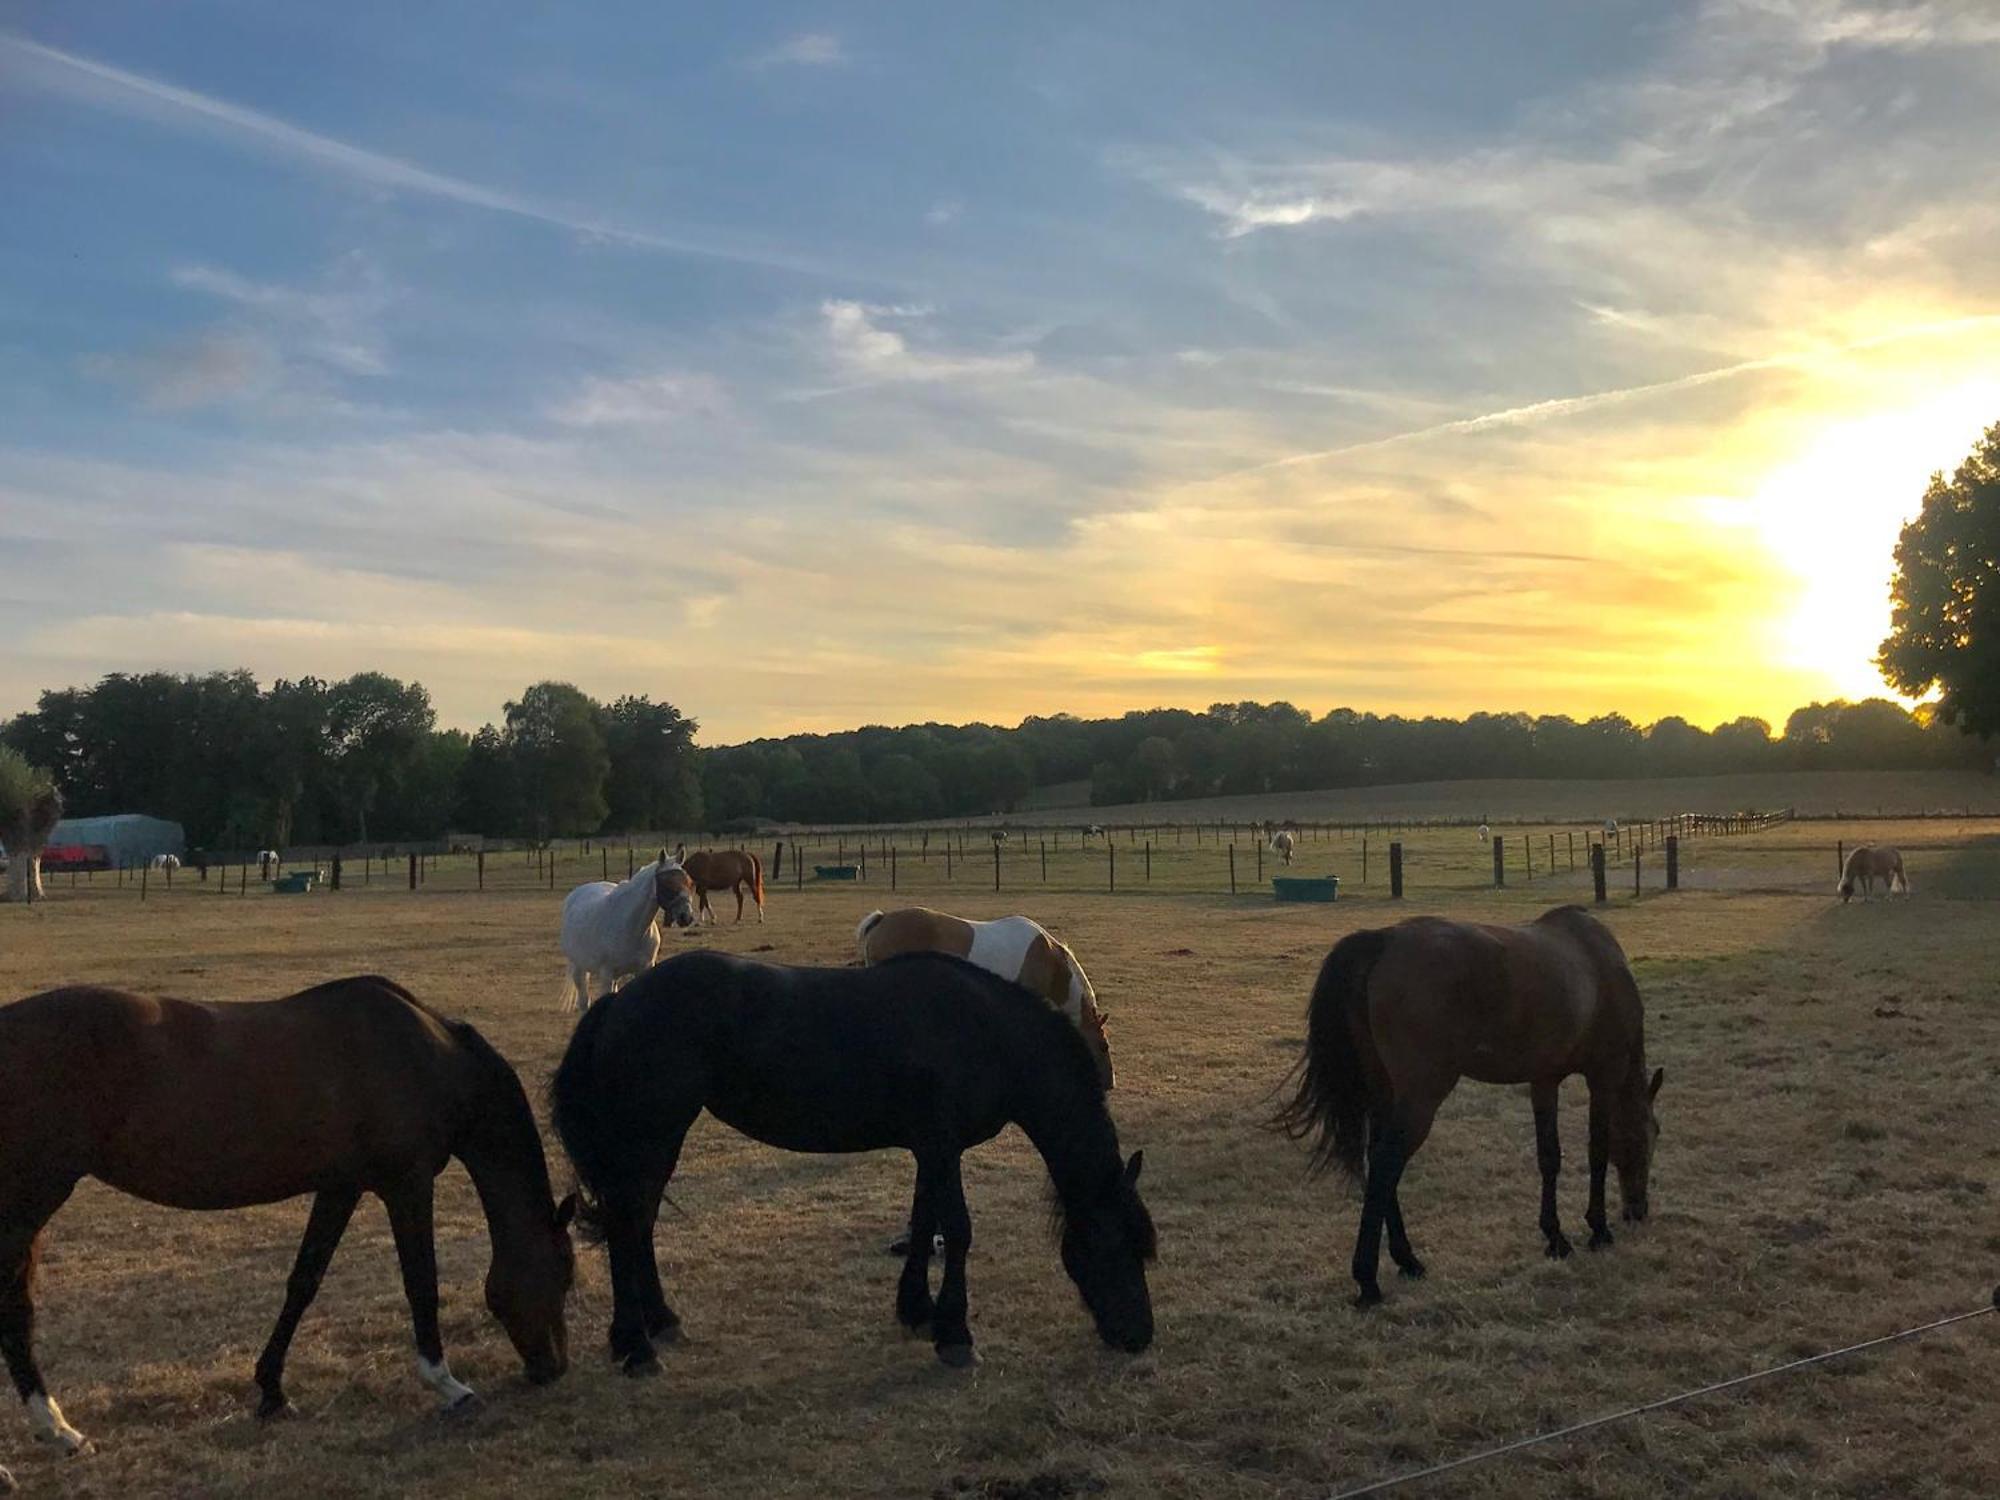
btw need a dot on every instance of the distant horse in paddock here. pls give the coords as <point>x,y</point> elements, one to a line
<point>1399,1014</point>
<point>724,870</point>
<point>999,836</point>
<point>1015,948</point>
<point>925,1052</point>
<point>611,932</point>
<point>1282,844</point>
<point>1485,834</point>
<point>268,860</point>
<point>348,1088</point>
<point>1868,864</point>
<point>166,862</point>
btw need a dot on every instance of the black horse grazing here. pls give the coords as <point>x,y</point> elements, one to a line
<point>924,1052</point>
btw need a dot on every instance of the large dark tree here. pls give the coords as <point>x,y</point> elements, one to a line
<point>654,784</point>
<point>556,733</point>
<point>1945,633</point>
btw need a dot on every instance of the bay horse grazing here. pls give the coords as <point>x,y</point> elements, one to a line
<point>1868,864</point>
<point>925,1052</point>
<point>611,932</point>
<point>1282,844</point>
<point>1399,1014</point>
<point>348,1088</point>
<point>725,870</point>
<point>1015,948</point>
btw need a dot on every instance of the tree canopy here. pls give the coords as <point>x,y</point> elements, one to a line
<point>1945,633</point>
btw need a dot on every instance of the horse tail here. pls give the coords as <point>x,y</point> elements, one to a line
<point>588,1137</point>
<point>756,878</point>
<point>868,924</point>
<point>1331,1103</point>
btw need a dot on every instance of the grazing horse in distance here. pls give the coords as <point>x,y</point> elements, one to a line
<point>611,932</point>
<point>1399,1014</point>
<point>999,836</point>
<point>1015,948</point>
<point>348,1088</point>
<point>166,862</point>
<point>1282,844</point>
<point>1868,864</point>
<point>724,870</point>
<point>925,1052</point>
<point>1485,834</point>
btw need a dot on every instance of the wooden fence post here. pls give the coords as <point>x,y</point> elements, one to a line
<point>1111,850</point>
<point>947,859</point>
<point>1232,871</point>
<point>336,871</point>
<point>996,864</point>
<point>1839,859</point>
<point>481,860</point>
<point>892,867</point>
<point>1045,861</point>
<point>1396,871</point>
<point>1260,864</point>
<point>1499,861</point>
<point>1149,859</point>
<point>778,862</point>
<point>144,870</point>
<point>1673,862</point>
<point>1638,860</point>
<point>1597,873</point>
<point>413,870</point>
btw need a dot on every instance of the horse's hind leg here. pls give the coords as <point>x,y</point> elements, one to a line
<point>20,1246</point>
<point>1600,1161</point>
<point>739,900</point>
<point>324,1227</point>
<point>410,1207</point>
<point>639,1310</point>
<point>1392,1142</point>
<point>914,1307</point>
<point>1549,1156</point>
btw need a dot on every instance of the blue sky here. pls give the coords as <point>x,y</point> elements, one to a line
<point>817,365</point>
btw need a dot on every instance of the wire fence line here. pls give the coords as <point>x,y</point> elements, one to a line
<point>1487,1455</point>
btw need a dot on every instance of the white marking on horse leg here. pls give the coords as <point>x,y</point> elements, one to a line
<point>46,1418</point>
<point>439,1378</point>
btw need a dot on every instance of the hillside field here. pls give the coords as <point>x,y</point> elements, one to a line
<point>1828,1170</point>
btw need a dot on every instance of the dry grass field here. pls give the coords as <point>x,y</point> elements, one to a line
<point>1829,1170</point>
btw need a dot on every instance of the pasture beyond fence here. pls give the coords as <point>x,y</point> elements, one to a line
<point>1390,860</point>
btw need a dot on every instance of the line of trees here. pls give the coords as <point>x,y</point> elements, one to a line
<point>362,759</point>
<point>1164,755</point>
<point>355,761</point>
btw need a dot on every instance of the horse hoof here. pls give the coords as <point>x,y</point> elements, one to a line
<point>958,1356</point>
<point>642,1366</point>
<point>900,1247</point>
<point>1367,1297</point>
<point>463,1406</point>
<point>665,1332</point>
<point>1599,1238</point>
<point>1559,1248</point>
<point>276,1409</point>
<point>1414,1270</point>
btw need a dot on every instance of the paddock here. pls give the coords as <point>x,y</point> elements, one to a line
<point>1827,1172</point>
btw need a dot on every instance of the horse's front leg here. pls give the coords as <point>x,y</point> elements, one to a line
<point>1600,1161</point>
<point>949,1331</point>
<point>914,1307</point>
<point>1549,1156</point>
<point>20,1237</point>
<point>410,1205</point>
<point>324,1227</point>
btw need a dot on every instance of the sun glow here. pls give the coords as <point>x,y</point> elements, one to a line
<point>1830,518</point>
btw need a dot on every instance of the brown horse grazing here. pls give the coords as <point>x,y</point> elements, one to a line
<point>1401,1013</point>
<point>1868,864</point>
<point>724,870</point>
<point>351,1087</point>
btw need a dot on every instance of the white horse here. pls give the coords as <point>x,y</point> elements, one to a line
<point>1282,844</point>
<point>1866,865</point>
<point>166,862</point>
<point>610,932</point>
<point>1485,833</point>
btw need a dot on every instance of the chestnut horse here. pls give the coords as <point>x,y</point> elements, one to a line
<point>1868,864</point>
<point>1400,1014</point>
<point>724,870</point>
<point>348,1088</point>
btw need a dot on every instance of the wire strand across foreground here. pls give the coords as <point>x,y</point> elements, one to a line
<point>1396,1481</point>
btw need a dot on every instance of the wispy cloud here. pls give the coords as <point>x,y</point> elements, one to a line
<point>105,86</point>
<point>860,344</point>
<point>641,401</point>
<point>804,49</point>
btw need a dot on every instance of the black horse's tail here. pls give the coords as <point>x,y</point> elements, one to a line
<point>587,1137</point>
<point>1332,1099</point>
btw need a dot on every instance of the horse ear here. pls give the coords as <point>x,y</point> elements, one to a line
<point>565,1212</point>
<point>663,856</point>
<point>1132,1168</point>
<point>1653,1088</point>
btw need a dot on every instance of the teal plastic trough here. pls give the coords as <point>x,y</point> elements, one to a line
<point>836,872</point>
<point>297,884</point>
<point>1305,887</point>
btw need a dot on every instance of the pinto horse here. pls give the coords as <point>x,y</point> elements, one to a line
<point>1282,844</point>
<point>724,870</point>
<point>1015,948</point>
<point>611,932</point>
<point>348,1088</point>
<point>1400,1014</point>
<point>1868,864</point>
<point>925,1052</point>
